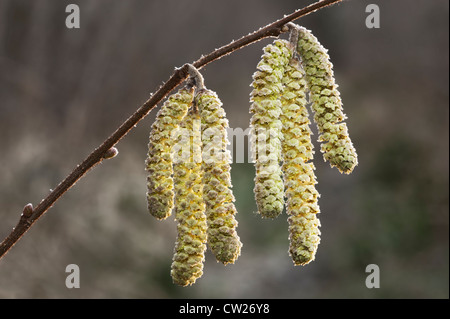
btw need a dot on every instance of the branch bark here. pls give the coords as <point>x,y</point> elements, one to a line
<point>30,216</point>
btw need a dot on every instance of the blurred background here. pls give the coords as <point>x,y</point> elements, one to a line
<point>63,91</point>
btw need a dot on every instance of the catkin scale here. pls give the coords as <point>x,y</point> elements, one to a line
<point>266,128</point>
<point>159,159</point>
<point>220,210</point>
<point>189,252</point>
<point>299,177</point>
<point>336,145</point>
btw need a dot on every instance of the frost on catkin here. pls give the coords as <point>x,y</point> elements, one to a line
<point>336,146</point>
<point>299,177</point>
<point>159,160</point>
<point>266,128</point>
<point>187,265</point>
<point>220,210</point>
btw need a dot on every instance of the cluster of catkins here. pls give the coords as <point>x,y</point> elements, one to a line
<point>281,137</point>
<point>189,172</point>
<point>188,163</point>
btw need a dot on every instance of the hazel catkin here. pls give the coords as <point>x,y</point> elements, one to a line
<point>189,255</point>
<point>159,160</point>
<point>299,177</point>
<point>223,239</point>
<point>266,128</point>
<point>336,145</point>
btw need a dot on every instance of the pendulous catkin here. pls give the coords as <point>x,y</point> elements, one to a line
<point>266,128</point>
<point>336,145</point>
<point>159,160</point>
<point>189,255</point>
<point>220,210</point>
<point>299,177</point>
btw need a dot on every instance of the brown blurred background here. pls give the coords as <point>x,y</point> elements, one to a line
<point>63,91</point>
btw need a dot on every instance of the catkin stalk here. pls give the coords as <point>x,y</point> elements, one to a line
<point>336,145</point>
<point>187,265</point>
<point>266,128</point>
<point>220,210</point>
<point>159,160</point>
<point>299,177</point>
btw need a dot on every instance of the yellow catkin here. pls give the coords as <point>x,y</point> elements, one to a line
<point>336,146</point>
<point>159,160</point>
<point>266,128</point>
<point>299,177</point>
<point>187,265</point>
<point>220,210</point>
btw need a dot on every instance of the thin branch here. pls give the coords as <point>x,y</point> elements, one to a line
<point>30,215</point>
